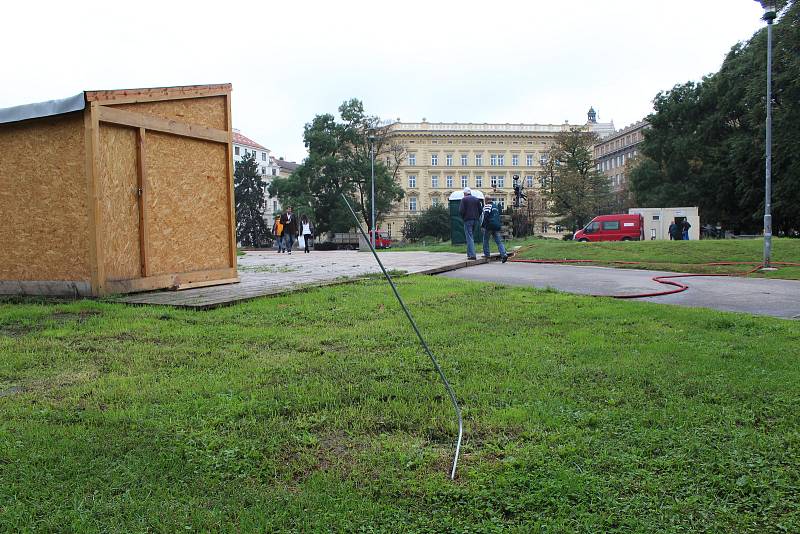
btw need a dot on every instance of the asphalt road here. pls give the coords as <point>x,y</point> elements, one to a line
<point>758,296</point>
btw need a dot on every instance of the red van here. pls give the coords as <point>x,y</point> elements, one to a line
<point>622,227</point>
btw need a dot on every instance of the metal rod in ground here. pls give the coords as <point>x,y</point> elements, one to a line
<point>421,340</point>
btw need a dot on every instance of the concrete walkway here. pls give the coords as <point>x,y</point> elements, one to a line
<point>758,296</point>
<point>269,273</point>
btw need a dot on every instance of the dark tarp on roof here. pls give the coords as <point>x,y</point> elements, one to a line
<point>43,109</point>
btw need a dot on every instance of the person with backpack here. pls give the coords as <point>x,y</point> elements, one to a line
<point>492,225</point>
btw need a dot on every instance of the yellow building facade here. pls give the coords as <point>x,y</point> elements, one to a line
<point>440,158</point>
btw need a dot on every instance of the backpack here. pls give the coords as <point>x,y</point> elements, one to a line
<point>491,218</point>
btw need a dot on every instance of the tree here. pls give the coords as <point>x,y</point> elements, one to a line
<point>706,148</point>
<point>574,189</point>
<point>248,189</point>
<point>339,162</point>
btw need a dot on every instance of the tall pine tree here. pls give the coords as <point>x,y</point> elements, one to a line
<point>248,189</point>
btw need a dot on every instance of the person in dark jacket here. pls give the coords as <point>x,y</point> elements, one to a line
<point>685,229</point>
<point>289,222</point>
<point>470,211</point>
<point>676,231</point>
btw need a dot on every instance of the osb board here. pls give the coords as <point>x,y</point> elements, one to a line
<point>43,200</point>
<point>208,111</point>
<point>188,204</point>
<point>119,202</point>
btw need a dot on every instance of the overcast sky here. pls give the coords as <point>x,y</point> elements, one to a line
<point>531,61</point>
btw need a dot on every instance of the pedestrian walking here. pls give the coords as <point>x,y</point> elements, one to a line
<point>277,231</point>
<point>685,229</point>
<point>490,227</point>
<point>307,231</point>
<point>289,222</point>
<point>470,210</point>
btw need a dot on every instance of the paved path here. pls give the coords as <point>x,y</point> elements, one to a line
<point>758,296</point>
<point>269,273</point>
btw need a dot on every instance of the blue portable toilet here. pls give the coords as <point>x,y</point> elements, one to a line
<point>457,236</point>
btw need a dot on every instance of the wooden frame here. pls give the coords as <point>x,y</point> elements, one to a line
<point>100,110</point>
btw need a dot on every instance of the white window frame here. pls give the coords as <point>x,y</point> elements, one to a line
<point>514,160</point>
<point>448,160</point>
<point>478,160</point>
<point>529,160</point>
<point>464,181</point>
<point>464,160</point>
<point>449,181</point>
<point>412,181</point>
<point>478,180</point>
<point>435,180</point>
<point>434,160</point>
<point>412,159</point>
<point>412,204</point>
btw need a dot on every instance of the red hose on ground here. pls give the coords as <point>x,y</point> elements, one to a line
<point>666,279</point>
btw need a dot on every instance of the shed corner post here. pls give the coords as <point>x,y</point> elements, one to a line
<point>92,146</point>
<point>230,173</point>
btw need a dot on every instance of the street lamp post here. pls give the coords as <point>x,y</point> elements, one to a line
<point>769,16</point>
<point>372,170</point>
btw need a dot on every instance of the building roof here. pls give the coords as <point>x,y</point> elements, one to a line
<point>239,139</point>
<point>284,165</point>
<point>116,96</point>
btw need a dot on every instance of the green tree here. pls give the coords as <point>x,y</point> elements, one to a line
<point>574,189</point>
<point>248,189</point>
<point>435,222</point>
<point>706,142</point>
<point>339,162</point>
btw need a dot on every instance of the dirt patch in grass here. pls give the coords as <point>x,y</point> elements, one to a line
<point>80,317</point>
<point>17,329</point>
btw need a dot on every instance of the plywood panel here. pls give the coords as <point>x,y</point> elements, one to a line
<point>119,202</point>
<point>207,111</point>
<point>187,204</point>
<point>43,211</point>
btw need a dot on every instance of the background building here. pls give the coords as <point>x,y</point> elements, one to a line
<point>243,146</point>
<point>614,154</point>
<point>444,157</point>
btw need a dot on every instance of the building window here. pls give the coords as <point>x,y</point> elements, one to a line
<point>501,181</point>
<point>434,181</point>
<point>449,160</point>
<point>542,160</point>
<point>236,150</point>
<point>412,159</point>
<point>449,181</point>
<point>529,181</point>
<point>622,159</point>
<point>263,171</point>
<point>274,206</point>
<point>464,181</point>
<point>434,160</point>
<point>412,204</point>
<point>501,160</point>
<point>514,160</point>
<point>412,181</point>
<point>464,160</point>
<point>493,160</point>
<point>478,181</point>
<point>274,172</point>
<point>478,160</point>
<point>529,160</point>
<point>434,202</point>
<point>493,181</point>
<point>263,156</point>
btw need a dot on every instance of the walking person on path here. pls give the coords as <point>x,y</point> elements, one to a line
<point>470,210</point>
<point>685,229</point>
<point>307,231</point>
<point>277,231</point>
<point>491,227</point>
<point>289,222</point>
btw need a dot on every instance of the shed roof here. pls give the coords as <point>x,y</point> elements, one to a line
<point>115,96</point>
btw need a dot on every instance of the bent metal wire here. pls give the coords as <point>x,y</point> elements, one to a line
<point>421,340</point>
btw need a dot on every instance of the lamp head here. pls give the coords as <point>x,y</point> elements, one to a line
<point>769,10</point>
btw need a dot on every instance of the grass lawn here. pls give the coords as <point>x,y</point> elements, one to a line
<point>677,256</point>
<point>318,411</point>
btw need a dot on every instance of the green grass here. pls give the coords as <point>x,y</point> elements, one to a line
<point>446,246</point>
<point>679,256</point>
<point>317,412</point>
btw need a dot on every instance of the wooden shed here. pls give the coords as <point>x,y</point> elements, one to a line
<point>117,191</point>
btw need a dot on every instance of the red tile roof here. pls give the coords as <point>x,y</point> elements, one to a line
<point>239,139</point>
